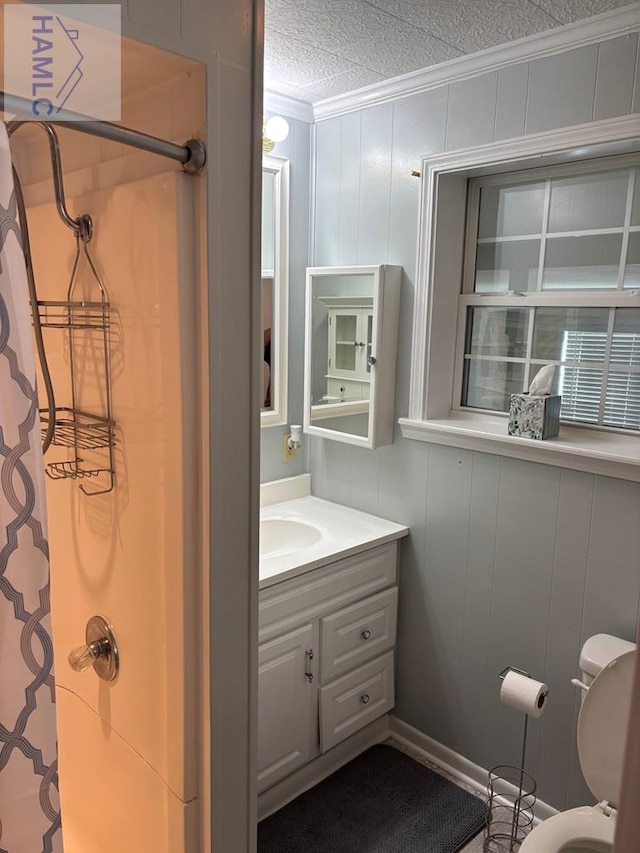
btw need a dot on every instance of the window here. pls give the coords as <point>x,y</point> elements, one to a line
<point>529,253</point>
<point>551,259</point>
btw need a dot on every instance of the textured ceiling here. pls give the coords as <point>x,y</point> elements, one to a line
<point>318,48</point>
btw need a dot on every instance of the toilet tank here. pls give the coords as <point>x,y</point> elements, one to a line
<point>600,650</point>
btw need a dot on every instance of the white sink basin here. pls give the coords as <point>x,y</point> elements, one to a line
<point>280,537</point>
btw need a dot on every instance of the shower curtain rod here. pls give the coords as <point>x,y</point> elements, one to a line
<point>192,154</point>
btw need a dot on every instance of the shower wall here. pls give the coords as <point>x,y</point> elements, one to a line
<point>128,761</point>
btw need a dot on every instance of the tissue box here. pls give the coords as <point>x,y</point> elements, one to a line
<point>532,416</point>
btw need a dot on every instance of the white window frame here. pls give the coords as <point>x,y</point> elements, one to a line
<point>606,298</point>
<point>277,414</point>
<point>441,242</point>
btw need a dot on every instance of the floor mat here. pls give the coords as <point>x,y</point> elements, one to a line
<point>381,802</point>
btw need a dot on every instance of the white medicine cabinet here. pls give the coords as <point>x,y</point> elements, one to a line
<point>350,353</point>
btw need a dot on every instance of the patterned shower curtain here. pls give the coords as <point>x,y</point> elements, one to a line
<point>29,801</point>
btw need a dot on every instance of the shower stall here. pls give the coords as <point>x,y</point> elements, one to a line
<point>112,244</point>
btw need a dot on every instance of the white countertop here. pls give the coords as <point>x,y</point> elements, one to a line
<point>343,532</point>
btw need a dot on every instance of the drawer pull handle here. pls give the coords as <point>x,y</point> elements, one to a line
<point>309,657</point>
<point>366,634</point>
<point>365,698</point>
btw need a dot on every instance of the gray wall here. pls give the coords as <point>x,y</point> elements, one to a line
<point>297,149</point>
<point>508,562</point>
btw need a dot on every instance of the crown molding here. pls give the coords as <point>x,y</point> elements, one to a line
<point>578,34</point>
<point>283,105</point>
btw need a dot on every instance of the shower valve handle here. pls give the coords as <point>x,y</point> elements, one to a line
<point>82,657</point>
<point>100,650</point>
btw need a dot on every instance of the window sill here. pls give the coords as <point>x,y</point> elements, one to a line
<point>597,452</point>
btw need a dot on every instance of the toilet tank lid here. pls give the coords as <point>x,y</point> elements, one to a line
<point>600,650</point>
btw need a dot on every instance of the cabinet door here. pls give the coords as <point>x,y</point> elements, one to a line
<point>364,341</point>
<point>367,337</point>
<point>287,703</point>
<point>339,298</point>
<point>343,342</point>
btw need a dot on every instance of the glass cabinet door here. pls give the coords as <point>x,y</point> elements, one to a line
<point>345,348</point>
<point>368,338</point>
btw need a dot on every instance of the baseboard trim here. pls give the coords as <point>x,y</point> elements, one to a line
<point>459,768</point>
<point>324,765</point>
<point>451,763</point>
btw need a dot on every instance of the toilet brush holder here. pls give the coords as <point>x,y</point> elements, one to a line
<point>511,793</point>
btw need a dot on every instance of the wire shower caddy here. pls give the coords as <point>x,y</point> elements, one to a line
<point>74,428</point>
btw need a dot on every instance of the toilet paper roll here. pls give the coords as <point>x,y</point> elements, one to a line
<point>523,693</point>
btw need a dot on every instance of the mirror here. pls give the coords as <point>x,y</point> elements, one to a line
<point>350,353</point>
<point>274,288</point>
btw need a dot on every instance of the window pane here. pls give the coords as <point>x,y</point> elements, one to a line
<point>635,210</point>
<point>345,357</point>
<point>581,389</point>
<point>507,266</point>
<point>489,384</point>
<point>622,401</point>
<point>555,331</point>
<point>625,344</point>
<point>588,201</point>
<point>632,271</point>
<point>346,328</point>
<point>497,331</point>
<point>574,263</point>
<point>509,211</point>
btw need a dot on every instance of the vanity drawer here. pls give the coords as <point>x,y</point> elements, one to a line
<point>353,701</point>
<point>357,633</point>
<point>293,602</point>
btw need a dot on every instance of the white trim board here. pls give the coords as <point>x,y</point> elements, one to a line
<point>277,414</point>
<point>598,28</point>
<point>594,451</point>
<point>460,769</point>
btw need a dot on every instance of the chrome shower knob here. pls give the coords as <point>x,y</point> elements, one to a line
<point>100,650</point>
<point>82,657</point>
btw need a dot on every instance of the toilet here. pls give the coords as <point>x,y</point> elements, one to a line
<point>607,665</point>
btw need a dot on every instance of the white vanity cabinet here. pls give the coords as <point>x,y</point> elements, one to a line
<point>325,658</point>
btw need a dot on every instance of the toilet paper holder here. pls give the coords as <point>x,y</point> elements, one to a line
<point>502,675</point>
<point>512,787</point>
